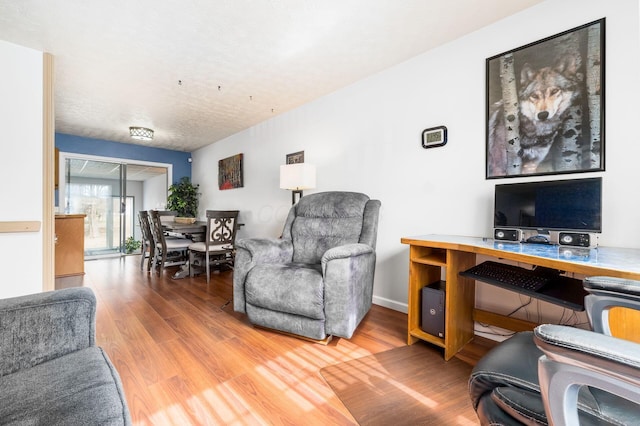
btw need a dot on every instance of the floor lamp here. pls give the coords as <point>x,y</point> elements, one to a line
<point>297,177</point>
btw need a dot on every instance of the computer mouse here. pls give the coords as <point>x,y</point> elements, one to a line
<point>538,239</point>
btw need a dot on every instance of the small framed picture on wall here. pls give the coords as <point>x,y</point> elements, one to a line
<point>230,172</point>
<point>296,157</point>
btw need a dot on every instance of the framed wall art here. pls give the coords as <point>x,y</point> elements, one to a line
<point>545,106</point>
<point>295,158</point>
<point>230,172</point>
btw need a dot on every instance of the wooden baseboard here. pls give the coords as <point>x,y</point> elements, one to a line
<point>503,321</point>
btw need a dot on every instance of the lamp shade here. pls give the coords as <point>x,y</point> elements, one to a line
<point>298,176</point>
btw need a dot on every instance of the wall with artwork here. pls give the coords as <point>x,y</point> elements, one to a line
<point>368,138</point>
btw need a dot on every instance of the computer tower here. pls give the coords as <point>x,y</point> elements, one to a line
<point>433,308</point>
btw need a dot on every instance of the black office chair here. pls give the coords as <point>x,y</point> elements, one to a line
<point>562,375</point>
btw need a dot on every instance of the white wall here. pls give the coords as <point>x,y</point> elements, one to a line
<point>366,138</point>
<point>154,193</point>
<point>21,128</point>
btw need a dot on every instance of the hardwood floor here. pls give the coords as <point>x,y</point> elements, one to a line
<point>186,358</point>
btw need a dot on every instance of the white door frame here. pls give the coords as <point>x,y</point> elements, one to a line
<point>62,193</point>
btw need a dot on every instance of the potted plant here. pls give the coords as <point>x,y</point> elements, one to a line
<point>131,245</point>
<point>183,199</point>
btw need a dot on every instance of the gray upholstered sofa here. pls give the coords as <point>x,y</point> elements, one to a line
<point>317,279</point>
<point>51,371</point>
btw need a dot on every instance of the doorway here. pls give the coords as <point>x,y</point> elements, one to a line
<point>109,192</point>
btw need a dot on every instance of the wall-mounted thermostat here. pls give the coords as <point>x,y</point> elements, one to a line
<point>433,137</point>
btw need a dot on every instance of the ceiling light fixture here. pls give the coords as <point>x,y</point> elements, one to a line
<point>141,133</point>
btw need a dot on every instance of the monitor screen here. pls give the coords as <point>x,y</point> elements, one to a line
<point>568,205</point>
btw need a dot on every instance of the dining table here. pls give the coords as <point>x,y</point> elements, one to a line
<point>193,231</point>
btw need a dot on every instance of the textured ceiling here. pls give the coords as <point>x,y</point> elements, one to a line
<point>197,71</point>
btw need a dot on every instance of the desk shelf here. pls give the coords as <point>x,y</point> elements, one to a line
<point>430,338</point>
<point>425,256</point>
<point>426,266</point>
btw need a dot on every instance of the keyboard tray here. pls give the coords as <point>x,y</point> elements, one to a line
<point>547,285</point>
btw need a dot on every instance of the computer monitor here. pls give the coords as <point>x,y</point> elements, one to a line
<point>561,205</point>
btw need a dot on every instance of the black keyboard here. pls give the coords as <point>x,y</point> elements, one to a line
<point>508,275</point>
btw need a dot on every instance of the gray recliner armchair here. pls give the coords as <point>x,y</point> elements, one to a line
<point>562,375</point>
<point>51,371</point>
<point>317,279</point>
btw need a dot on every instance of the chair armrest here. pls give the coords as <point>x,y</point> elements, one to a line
<point>345,251</point>
<point>612,285</point>
<point>267,250</point>
<point>606,293</point>
<point>40,327</point>
<point>578,346</point>
<point>575,357</point>
<point>348,273</point>
<point>251,252</point>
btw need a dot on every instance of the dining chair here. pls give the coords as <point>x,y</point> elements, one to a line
<point>218,247</point>
<point>148,245</point>
<point>168,251</point>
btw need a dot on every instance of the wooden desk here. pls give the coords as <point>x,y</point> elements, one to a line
<point>428,254</point>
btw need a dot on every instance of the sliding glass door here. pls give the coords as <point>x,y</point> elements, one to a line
<point>110,193</point>
<point>98,190</point>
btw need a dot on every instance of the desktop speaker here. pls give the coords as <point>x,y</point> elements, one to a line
<point>504,234</point>
<point>575,239</point>
<point>433,309</point>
